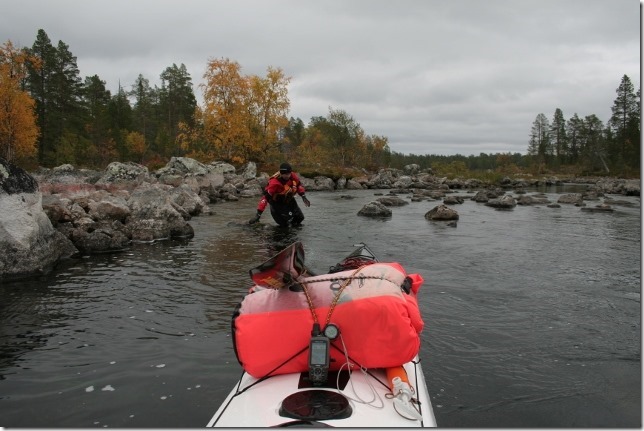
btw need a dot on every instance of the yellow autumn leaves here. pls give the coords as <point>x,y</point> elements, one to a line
<point>241,116</point>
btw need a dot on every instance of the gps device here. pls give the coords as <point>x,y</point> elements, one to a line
<point>318,357</point>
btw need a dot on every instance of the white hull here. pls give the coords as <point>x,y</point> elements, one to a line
<point>259,405</point>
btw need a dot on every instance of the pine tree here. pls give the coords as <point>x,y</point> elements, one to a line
<point>558,136</point>
<point>593,144</point>
<point>625,122</point>
<point>120,121</point>
<point>574,131</point>
<point>39,84</point>
<point>291,136</point>
<point>68,112</point>
<point>540,147</point>
<point>177,104</point>
<point>57,89</point>
<point>144,112</point>
<point>624,107</point>
<point>97,100</point>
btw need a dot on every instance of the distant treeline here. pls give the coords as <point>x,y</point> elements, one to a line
<point>51,116</point>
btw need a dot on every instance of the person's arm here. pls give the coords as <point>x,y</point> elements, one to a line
<point>273,187</point>
<point>302,192</point>
<point>305,200</point>
<point>261,206</point>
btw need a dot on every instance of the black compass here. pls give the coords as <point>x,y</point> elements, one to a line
<point>331,331</point>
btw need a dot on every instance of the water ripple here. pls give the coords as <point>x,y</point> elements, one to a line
<point>523,309</point>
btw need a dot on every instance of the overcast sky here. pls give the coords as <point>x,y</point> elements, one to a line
<point>433,76</point>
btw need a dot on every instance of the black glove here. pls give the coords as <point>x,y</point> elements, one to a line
<point>256,218</point>
<point>306,201</point>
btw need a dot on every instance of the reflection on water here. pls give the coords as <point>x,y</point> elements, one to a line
<point>532,316</point>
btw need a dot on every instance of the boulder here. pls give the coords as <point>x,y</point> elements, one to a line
<point>375,209</point>
<point>221,168</point>
<point>384,179</point>
<point>532,200</point>
<point>109,208</point>
<point>319,183</point>
<point>187,199</point>
<point>198,176</point>
<point>29,243</point>
<point>618,186</point>
<point>57,209</point>
<point>441,212</point>
<point>481,197</point>
<point>403,182</point>
<point>571,198</point>
<point>341,183</point>
<point>125,174</point>
<point>453,200</point>
<point>392,201</point>
<point>153,215</point>
<point>352,184</point>
<point>411,169</point>
<point>504,202</point>
<point>66,179</point>
<point>182,166</point>
<point>248,171</point>
<point>103,237</point>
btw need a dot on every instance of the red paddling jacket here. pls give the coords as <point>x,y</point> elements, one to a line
<point>280,191</point>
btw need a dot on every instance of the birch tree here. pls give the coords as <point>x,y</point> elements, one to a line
<point>18,129</point>
<point>225,112</point>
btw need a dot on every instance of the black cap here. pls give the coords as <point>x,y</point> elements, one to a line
<point>285,167</point>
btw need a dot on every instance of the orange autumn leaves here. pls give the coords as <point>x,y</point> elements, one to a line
<point>18,129</point>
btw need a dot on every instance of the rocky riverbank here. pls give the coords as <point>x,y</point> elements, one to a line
<point>54,214</point>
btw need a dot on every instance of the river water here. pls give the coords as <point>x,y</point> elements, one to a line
<point>532,315</point>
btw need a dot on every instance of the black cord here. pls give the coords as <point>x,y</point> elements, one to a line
<point>231,398</point>
<point>269,374</point>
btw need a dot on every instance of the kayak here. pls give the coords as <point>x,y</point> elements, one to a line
<point>299,370</point>
<point>364,400</point>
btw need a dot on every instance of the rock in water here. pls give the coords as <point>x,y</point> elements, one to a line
<point>29,243</point>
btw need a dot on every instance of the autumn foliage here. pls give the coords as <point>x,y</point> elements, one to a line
<point>18,130</point>
<point>242,114</point>
<point>50,116</point>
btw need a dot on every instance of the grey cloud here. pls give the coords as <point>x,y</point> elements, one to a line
<point>444,76</point>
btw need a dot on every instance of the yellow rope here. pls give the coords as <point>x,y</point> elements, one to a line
<point>348,280</point>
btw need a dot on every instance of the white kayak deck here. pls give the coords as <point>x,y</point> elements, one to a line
<point>370,401</point>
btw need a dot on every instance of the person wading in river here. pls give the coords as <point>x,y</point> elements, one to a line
<point>280,195</point>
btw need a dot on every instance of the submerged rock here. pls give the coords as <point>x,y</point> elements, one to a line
<point>503,202</point>
<point>571,198</point>
<point>599,208</point>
